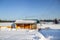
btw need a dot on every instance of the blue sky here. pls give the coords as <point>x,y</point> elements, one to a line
<point>28,9</point>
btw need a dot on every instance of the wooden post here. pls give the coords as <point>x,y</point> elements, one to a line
<point>30,26</point>
<point>23,26</point>
<point>16,26</point>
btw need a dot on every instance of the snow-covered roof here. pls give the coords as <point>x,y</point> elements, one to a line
<point>25,21</point>
<point>6,24</point>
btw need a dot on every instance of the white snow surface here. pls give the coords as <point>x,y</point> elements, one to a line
<point>5,24</point>
<point>21,35</point>
<point>51,26</point>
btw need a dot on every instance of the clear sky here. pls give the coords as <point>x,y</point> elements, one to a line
<point>28,9</point>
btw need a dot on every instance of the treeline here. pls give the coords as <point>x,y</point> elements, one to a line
<point>7,20</point>
<point>38,21</point>
<point>56,21</point>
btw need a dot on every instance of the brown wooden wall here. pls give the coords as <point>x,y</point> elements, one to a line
<point>26,26</point>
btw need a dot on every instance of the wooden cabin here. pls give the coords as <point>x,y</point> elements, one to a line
<point>19,24</point>
<point>25,24</point>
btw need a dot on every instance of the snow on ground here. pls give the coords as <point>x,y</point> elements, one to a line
<point>21,35</point>
<point>52,26</point>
